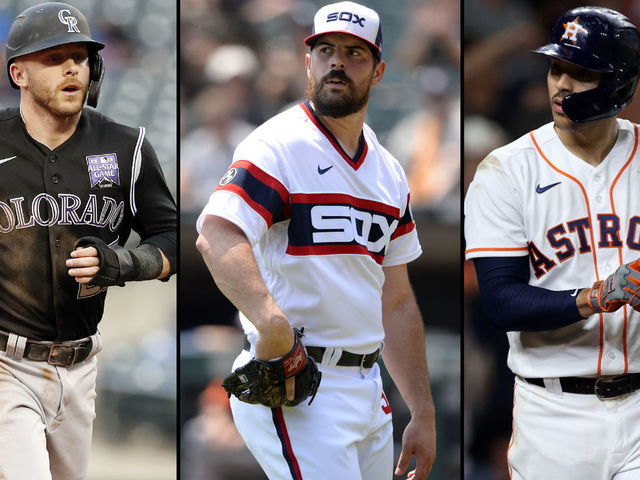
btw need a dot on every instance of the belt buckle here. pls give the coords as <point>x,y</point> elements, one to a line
<point>61,355</point>
<point>609,380</point>
<point>364,357</point>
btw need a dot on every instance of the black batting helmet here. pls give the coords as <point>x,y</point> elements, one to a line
<point>51,24</point>
<point>601,40</point>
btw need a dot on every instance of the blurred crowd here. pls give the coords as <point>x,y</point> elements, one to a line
<point>242,62</point>
<point>505,96</point>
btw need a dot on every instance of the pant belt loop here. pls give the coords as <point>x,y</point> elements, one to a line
<point>331,356</point>
<point>15,346</point>
<point>96,344</point>
<point>553,385</point>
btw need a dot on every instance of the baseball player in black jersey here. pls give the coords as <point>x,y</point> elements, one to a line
<point>73,184</point>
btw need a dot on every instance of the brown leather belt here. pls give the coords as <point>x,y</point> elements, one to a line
<point>58,354</point>
<point>603,387</point>
<point>347,359</point>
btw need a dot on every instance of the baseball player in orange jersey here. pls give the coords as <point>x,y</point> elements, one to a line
<point>553,227</point>
<point>73,184</point>
<point>311,228</point>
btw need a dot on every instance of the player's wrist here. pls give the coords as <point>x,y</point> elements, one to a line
<point>119,265</point>
<point>275,338</point>
<point>425,412</point>
<point>585,302</point>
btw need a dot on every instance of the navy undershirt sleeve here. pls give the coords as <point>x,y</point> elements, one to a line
<point>512,304</point>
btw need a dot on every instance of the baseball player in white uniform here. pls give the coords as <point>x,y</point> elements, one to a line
<point>553,227</point>
<point>311,228</point>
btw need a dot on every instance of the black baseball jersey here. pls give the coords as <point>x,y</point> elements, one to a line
<point>104,181</point>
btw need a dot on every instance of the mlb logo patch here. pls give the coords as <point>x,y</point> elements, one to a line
<point>103,170</point>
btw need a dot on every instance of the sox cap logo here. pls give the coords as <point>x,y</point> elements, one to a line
<point>572,30</point>
<point>69,20</point>
<point>350,18</point>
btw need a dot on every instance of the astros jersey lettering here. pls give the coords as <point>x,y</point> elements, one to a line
<point>89,185</point>
<point>321,224</point>
<point>577,223</point>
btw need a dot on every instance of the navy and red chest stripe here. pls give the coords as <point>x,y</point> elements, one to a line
<point>320,223</point>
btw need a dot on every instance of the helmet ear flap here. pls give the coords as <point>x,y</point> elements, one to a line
<point>96,74</point>
<point>612,95</point>
<point>590,105</point>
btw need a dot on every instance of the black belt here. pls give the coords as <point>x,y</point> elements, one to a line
<point>58,354</point>
<point>347,359</point>
<point>603,387</point>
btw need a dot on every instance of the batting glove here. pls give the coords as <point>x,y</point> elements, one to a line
<point>622,286</point>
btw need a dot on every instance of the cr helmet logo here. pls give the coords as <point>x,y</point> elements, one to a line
<point>69,20</point>
<point>571,30</point>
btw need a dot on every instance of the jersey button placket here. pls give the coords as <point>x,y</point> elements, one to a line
<point>55,179</point>
<point>52,158</point>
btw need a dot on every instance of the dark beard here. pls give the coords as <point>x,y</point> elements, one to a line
<point>351,100</point>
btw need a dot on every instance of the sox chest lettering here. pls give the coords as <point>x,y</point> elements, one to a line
<point>340,228</point>
<point>346,224</point>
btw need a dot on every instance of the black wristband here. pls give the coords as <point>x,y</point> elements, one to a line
<point>148,261</point>
<point>119,265</point>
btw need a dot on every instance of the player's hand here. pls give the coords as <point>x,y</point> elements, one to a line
<point>275,342</point>
<point>418,440</point>
<point>83,264</point>
<point>622,286</point>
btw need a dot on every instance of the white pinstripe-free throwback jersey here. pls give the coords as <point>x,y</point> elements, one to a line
<point>577,223</point>
<point>322,225</point>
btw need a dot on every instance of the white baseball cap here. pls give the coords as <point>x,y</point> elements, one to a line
<point>350,18</point>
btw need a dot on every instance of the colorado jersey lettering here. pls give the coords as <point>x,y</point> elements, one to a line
<point>104,181</point>
<point>345,223</point>
<point>574,233</point>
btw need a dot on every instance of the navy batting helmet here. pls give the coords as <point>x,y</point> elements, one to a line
<point>601,40</point>
<point>49,25</point>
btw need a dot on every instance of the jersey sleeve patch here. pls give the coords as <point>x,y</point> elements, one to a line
<point>262,192</point>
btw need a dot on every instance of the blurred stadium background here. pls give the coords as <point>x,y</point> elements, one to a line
<point>241,62</point>
<point>135,429</point>
<point>505,96</point>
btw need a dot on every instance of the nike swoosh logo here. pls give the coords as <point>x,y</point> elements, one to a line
<point>7,159</point>
<point>322,171</point>
<point>540,189</point>
<point>575,293</point>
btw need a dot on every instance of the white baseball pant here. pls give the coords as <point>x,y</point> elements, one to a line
<point>560,435</point>
<point>46,417</point>
<point>345,433</point>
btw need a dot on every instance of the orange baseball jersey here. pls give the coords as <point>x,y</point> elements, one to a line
<point>577,223</point>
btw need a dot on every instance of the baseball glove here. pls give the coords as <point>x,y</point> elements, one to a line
<point>263,382</point>
<point>622,286</point>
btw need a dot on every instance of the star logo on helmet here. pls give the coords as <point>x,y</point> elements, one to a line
<point>571,30</point>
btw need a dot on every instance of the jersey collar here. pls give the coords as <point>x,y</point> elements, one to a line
<point>361,153</point>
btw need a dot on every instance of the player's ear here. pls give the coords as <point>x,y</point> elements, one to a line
<point>17,71</point>
<point>378,72</point>
<point>307,63</point>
